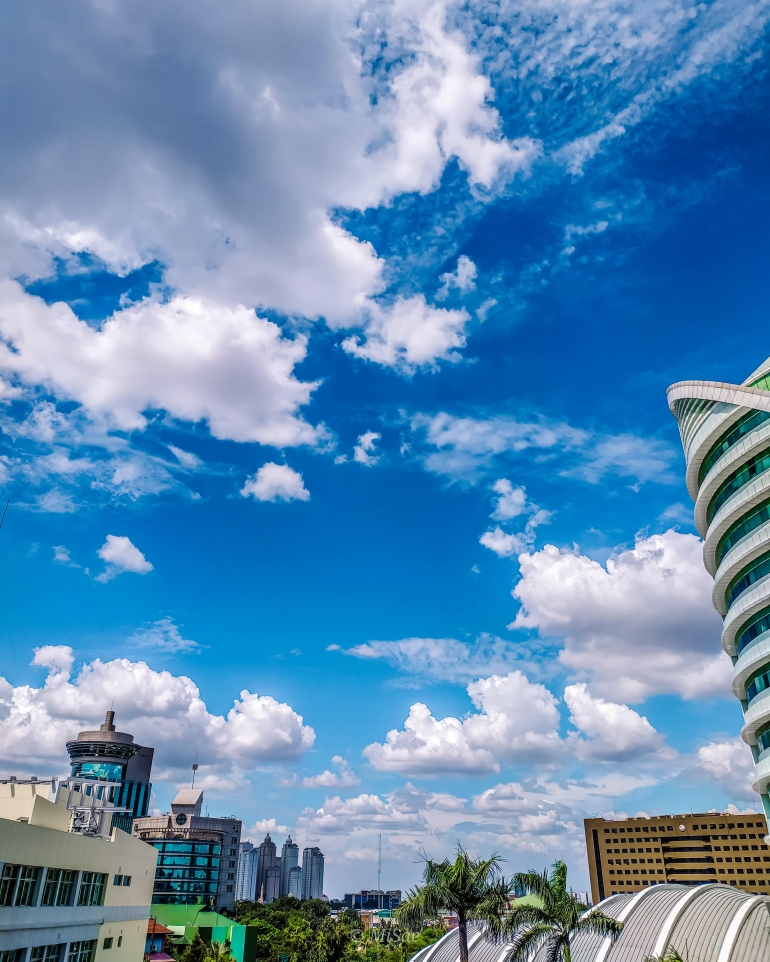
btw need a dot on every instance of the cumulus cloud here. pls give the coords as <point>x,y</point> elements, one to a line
<point>163,635</point>
<point>441,659</point>
<point>364,451</point>
<point>342,778</point>
<point>120,555</point>
<point>511,503</point>
<point>517,721</point>
<point>641,625</point>
<point>158,707</point>
<point>614,732</point>
<point>61,556</point>
<point>364,812</point>
<point>263,827</point>
<point>276,482</point>
<point>727,762</point>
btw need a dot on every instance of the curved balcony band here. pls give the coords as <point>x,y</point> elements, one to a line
<point>725,431</point>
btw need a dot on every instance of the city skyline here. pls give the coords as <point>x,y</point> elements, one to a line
<point>334,348</point>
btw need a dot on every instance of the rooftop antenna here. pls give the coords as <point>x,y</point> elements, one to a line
<point>194,770</point>
<point>4,510</point>
<point>379,863</point>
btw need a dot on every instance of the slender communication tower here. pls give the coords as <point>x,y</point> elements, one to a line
<point>194,770</point>
<point>379,863</point>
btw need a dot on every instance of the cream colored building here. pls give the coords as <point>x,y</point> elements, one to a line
<point>635,853</point>
<point>72,888</point>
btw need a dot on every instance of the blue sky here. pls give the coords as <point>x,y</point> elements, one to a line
<point>335,340</point>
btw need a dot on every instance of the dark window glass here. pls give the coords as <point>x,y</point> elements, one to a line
<point>738,531</point>
<point>91,888</point>
<point>737,480</point>
<point>82,951</point>
<point>734,434</point>
<point>57,888</point>
<point>8,880</point>
<point>749,576</point>
<point>46,953</point>
<point>756,627</point>
<point>758,683</point>
<point>17,884</point>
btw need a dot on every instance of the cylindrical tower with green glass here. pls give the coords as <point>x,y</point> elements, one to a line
<point>725,431</point>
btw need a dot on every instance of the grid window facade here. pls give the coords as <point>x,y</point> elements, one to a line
<point>91,889</point>
<point>17,884</point>
<point>81,951</point>
<point>58,886</point>
<point>46,953</point>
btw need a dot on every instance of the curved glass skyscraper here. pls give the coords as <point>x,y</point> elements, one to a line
<point>725,431</point>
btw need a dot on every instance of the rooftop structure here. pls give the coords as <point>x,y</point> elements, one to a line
<point>725,430</point>
<point>113,756</point>
<point>634,853</point>
<point>710,923</point>
<point>197,855</point>
<point>71,884</point>
<point>372,899</point>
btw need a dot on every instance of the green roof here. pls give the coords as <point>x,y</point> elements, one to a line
<point>189,915</point>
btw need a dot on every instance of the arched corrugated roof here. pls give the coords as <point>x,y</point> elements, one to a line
<point>710,923</point>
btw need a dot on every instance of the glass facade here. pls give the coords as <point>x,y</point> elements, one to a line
<point>91,889</point>
<point>757,683</point>
<point>738,431</point>
<point>109,771</point>
<point>750,575</point>
<point>17,884</point>
<point>758,625</point>
<point>763,738</point>
<point>187,872</point>
<point>57,888</point>
<point>738,531</point>
<point>737,480</point>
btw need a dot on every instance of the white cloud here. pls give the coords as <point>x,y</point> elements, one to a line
<point>517,720</point>
<point>121,556</point>
<point>61,556</point>
<point>364,451</point>
<point>263,827</point>
<point>364,812</point>
<point>276,482</point>
<point>627,455</point>
<point>342,778</point>
<point>441,659</point>
<point>409,334</point>
<point>163,635</point>
<point>615,732</point>
<point>158,707</point>
<point>729,763</point>
<point>511,503</point>
<point>463,279</point>
<point>643,624</point>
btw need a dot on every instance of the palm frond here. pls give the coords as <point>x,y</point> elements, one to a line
<point>598,923</point>
<point>529,941</point>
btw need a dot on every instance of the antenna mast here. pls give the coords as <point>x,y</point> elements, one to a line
<point>379,863</point>
<point>194,770</point>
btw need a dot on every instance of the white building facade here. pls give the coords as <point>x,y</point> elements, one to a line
<point>72,888</point>
<point>725,431</point>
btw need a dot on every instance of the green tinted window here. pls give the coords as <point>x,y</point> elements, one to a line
<point>738,531</point>
<point>750,575</point>
<point>732,436</point>
<point>737,480</point>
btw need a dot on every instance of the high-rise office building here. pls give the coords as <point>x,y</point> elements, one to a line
<point>627,855</point>
<point>197,855</point>
<point>267,861</point>
<point>725,431</point>
<point>113,756</point>
<point>295,882</point>
<point>289,860</point>
<point>312,873</point>
<point>246,873</point>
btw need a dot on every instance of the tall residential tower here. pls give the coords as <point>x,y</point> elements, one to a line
<point>725,431</point>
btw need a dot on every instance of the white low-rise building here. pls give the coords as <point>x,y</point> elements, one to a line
<point>72,888</point>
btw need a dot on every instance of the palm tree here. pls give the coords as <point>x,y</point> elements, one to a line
<point>555,921</point>
<point>472,888</point>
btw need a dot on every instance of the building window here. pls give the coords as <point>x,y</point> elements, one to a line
<point>229,888</point>
<point>12,955</point>
<point>91,889</point>
<point>58,885</point>
<point>17,884</point>
<point>46,953</point>
<point>120,941</point>
<point>107,944</point>
<point>81,951</point>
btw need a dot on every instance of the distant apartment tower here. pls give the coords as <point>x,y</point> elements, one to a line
<point>197,855</point>
<point>635,853</point>
<point>295,882</point>
<point>312,873</point>
<point>109,755</point>
<point>267,862</point>
<point>246,873</point>
<point>289,861</point>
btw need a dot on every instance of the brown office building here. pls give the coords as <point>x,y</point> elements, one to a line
<point>628,855</point>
